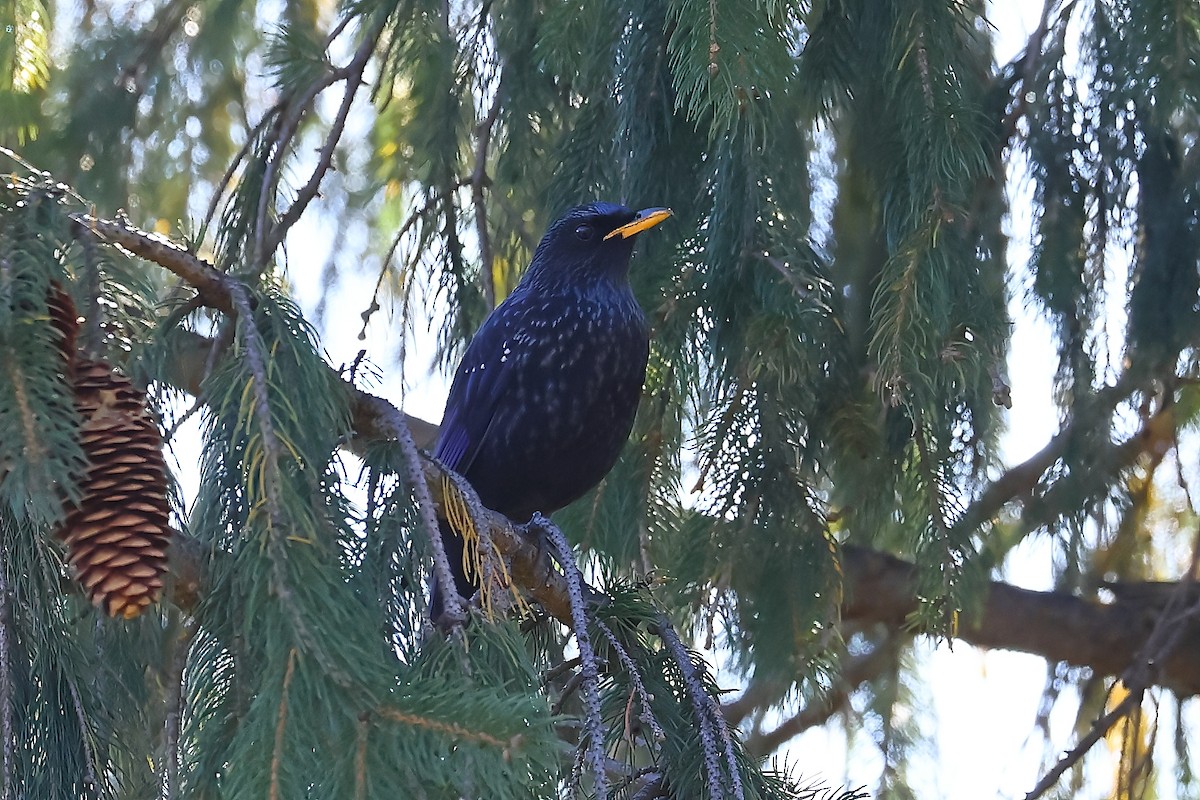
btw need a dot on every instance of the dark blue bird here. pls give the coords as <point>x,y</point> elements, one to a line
<point>545,396</point>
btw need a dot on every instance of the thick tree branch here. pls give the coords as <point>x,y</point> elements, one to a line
<point>878,587</point>
<point>211,284</point>
<point>1054,625</point>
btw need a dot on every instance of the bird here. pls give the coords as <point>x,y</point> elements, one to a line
<point>545,395</point>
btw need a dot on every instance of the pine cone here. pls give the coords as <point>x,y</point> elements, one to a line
<point>65,321</point>
<point>117,536</point>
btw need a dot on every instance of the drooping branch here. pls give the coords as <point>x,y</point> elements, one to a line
<point>455,611</point>
<point>7,730</point>
<point>352,74</point>
<point>479,179</point>
<point>589,670</point>
<point>374,419</point>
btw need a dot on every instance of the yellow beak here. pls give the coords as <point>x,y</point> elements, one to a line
<point>645,219</point>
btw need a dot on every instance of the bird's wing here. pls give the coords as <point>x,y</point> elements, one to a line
<point>481,381</point>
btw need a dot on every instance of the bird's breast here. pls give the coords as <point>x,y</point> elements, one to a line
<point>579,367</point>
<point>573,380</point>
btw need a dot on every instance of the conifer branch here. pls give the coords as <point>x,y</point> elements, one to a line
<point>85,736</point>
<point>7,731</point>
<point>705,711</point>
<point>352,74</point>
<point>454,248</point>
<point>635,678</point>
<point>589,666</point>
<point>33,449</point>
<point>360,757</point>
<point>281,725</point>
<point>91,333</point>
<point>1057,626</point>
<point>277,527</point>
<point>391,422</point>
<point>1181,612</point>
<point>944,601</point>
<point>174,704</point>
<point>214,202</point>
<point>431,203</point>
<point>1098,730</point>
<point>879,588</point>
<point>281,139</point>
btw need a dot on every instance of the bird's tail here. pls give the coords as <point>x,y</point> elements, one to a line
<point>454,546</point>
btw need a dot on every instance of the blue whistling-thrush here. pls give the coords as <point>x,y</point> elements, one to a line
<point>546,393</point>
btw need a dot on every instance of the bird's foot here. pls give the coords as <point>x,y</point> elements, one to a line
<point>537,530</point>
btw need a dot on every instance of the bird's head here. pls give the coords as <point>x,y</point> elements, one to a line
<point>588,243</point>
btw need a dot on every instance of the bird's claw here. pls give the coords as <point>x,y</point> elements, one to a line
<point>536,529</point>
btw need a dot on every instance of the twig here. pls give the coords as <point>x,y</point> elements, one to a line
<point>281,726</point>
<point>487,556</point>
<point>569,688</point>
<point>266,239</point>
<point>6,690</point>
<point>1028,62</point>
<point>352,73</point>
<point>337,30</point>
<point>735,775</point>
<point>551,674</point>
<point>166,22</point>
<point>450,231</point>
<point>654,787</point>
<point>360,756</point>
<point>1097,732</point>
<point>589,669</point>
<point>215,201</point>
<point>174,704</point>
<point>625,776</point>
<point>923,68</point>
<point>93,328</point>
<point>478,179</point>
<point>412,219</point>
<point>1168,630</point>
<point>85,737</point>
<point>635,678</point>
<point>450,729</point>
<point>282,137</point>
<point>179,421</point>
<point>855,672</point>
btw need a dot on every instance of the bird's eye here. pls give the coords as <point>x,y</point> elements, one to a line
<point>584,232</point>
